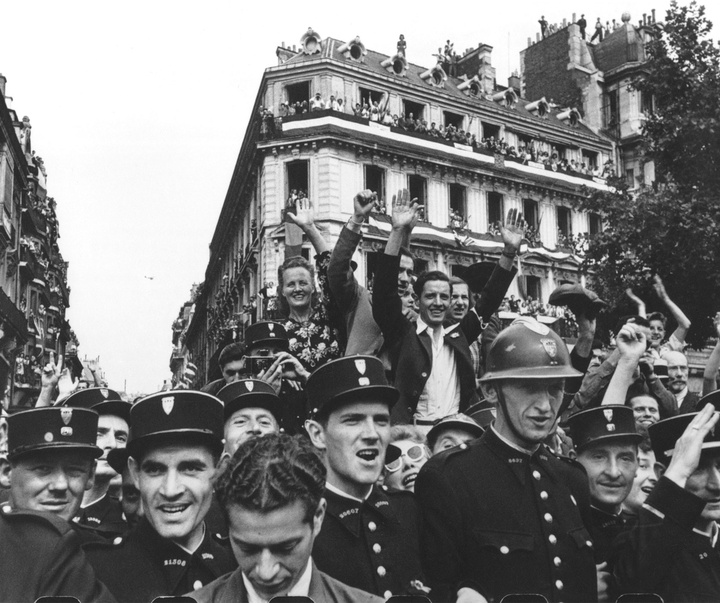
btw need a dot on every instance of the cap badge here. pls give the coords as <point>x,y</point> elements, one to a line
<point>271,327</point>
<point>250,385</point>
<point>104,392</point>
<point>66,415</point>
<point>49,437</point>
<point>550,347</point>
<point>610,426</point>
<point>360,365</point>
<point>66,431</point>
<point>168,403</point>
<point>608,412</point>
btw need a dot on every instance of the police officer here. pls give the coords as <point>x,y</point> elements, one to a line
<point>504,515</point>
<point>251,408</point>
<point>174,446</point>
<point>606,445</point>
<point>369,538</point>
<point>453,430</point>
<point>52,456</point>
<point>673,552</point>
<point>101,512</point>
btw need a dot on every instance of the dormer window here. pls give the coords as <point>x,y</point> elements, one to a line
<point>354,50</point>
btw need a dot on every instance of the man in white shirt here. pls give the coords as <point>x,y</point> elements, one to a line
<point>272,492</point>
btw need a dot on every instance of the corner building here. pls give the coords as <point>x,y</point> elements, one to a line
<point>331,155</point>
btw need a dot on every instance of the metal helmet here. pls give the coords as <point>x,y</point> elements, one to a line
<point>528,349</point>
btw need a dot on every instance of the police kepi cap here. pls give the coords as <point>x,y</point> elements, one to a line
<point>457,421</point>
<point>528,349</point>
<point>52,427</point>
<point>578,299</point>
<point>349,379</point>
<point>266,331</point>
<point>176,415</point>
<point>102,400</point>
<point>664,434</point>
<point>117,458</point>
<point>250,393</point>
<point>711,398</point>
<point>605,423</point>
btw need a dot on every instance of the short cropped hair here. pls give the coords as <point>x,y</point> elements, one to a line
<point>407,252</point>
<point>658,316</point>
<point>433,275</point>
<point>296,261</point>
<point>271,472</point>
<point>406,432</point>
<point>231,353</point>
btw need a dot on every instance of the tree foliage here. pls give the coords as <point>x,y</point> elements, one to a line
<point>670,228</point>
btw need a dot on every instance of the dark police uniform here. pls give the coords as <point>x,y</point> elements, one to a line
<point>664,554</point>
<point>144,565</point>
<point>371,545</point>
<point>40,556</point>
<point>501,522</point>
<point>104,517</point>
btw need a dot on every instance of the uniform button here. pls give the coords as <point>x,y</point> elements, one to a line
<point>387,594</point>
<point>544,495</point>
<point>588,542</point>
<point>377,548</point>
<point>536,475</point>
<point>548,517</point>
<point>557,561</point>
<point>424,374</point>
<point>372,526</point>
<point>572,498</point>
<point>552,538</point>
<point>504,550</point>
<point>6,509</point>
<point>197,584</point>
<point>558,584</point>
<point>381,571</point>
<point>118,540</point>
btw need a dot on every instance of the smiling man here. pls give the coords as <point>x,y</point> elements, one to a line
<point>52,456</point>
<point>272,494</point>
<point>174,448</point>
<point>501,514</point>
<point>369,538</point>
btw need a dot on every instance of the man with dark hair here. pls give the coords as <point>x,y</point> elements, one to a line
<point>370,538</point>
<point>503,515</point>
<point>174,447</point>
<point>431,365</point>
<point>231,365</point>
<point>272,494</point>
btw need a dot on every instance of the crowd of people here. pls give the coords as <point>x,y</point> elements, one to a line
<point>409,440</point>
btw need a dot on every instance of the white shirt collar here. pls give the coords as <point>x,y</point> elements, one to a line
<point>188,551</point>
<point>92,502</point>
<point>340,492</point>
<point>301,588</point>
<point>713,535</point>
<point>422,326</point>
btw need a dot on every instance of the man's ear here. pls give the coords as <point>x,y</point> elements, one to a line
<point>5,469</point>
<point>134,468</point>
<point>572,454</point>
<point>319,515</point>
<point>91,478</point>
<point>317,434</point>
<point>489,392</point>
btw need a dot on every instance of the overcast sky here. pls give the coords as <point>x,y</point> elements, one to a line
<point>139,108</point>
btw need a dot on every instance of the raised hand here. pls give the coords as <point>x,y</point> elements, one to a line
<point>304,217</point>
<point>363,204</point>
<point>659,287</point>
<point>631,342</point>
<point>405,211</point>
<point>686,456</point>
<point>716,323</point>
<point>513,230</point>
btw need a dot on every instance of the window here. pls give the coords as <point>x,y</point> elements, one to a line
<point>530,212</point>
<point>415,109</point>
<point>457,199</point>
<point>417,185</point>
<point>595,224</point>
<point>297,177</point>
<point>612,110</point>
<point>370,96</point>
<point>494,208</point>
<point>563,221</point>
<point>590,159</point>
<point>630,174</point>
<point>532,287</point>
<point>489,130</point>
<point>453,119</point>
<point>375,180</point>
<point>297,93</point>
<point>646,103</point>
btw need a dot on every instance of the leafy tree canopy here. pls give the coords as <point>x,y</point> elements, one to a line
<point>670,228</point>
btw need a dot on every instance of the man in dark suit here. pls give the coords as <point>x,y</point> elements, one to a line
<point>272,492</point>
<point>431,365</point>
<point>503,515</point>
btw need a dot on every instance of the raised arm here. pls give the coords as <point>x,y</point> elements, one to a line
<point>683,322</point>
<point>713,363</point>
<point>631,344</point>
<point>304,218</point>
<point>637,301</point>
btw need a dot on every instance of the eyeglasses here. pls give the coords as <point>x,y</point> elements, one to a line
<point>415,453</point>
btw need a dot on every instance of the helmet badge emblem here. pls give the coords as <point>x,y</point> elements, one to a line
<point>550,347</point>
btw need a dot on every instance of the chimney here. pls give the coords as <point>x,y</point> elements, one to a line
<point>653,14</point>
<point>514,82</point>
<point>3,81</point>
